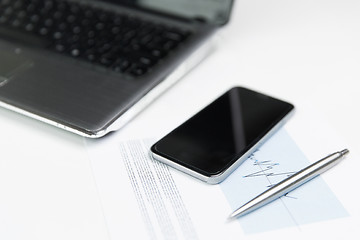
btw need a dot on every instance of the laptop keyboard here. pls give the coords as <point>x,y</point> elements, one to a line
<point>118,42</point>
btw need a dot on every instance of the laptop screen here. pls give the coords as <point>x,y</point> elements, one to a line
<point>212,11</point>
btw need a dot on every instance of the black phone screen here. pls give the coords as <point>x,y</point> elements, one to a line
<point>218,135</point>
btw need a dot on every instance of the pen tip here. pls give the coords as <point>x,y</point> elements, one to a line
<point>236,214</point>
<point>230,218</point>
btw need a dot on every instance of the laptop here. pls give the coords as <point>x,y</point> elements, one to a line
<point>90,66</point>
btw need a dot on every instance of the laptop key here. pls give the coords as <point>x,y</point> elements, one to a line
<point>115,41</point>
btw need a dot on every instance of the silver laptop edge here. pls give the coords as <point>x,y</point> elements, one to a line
<point>193,60</point>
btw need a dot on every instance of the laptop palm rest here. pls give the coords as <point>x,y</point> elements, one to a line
<point>11,64</point>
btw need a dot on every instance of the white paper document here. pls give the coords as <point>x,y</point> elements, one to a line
<point>145,199</point>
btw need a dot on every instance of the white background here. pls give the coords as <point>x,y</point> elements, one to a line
<point>306,52</point>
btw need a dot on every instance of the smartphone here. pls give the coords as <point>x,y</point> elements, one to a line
<point>216,140</point>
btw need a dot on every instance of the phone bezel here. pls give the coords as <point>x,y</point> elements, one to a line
<point>220,176</point>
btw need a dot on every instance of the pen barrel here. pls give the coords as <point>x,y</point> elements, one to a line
<point>291,183</point>
<point>311,171</point>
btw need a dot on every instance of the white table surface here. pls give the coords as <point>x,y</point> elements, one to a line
<point>306,52</point>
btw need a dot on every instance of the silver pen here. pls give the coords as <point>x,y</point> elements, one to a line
<point>290,183</point>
